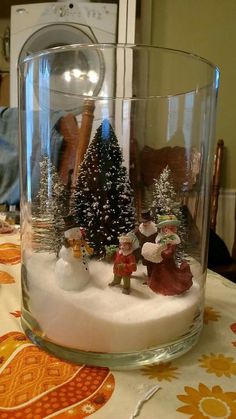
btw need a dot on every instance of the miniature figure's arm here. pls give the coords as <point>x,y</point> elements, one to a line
<point>117,265</point>
<point>169,251</point>
<point>136,244</point>
<point>152,252</point>
<point>170,238</point>
<point>132,263</point>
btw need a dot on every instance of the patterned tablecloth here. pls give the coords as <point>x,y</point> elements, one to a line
<point>34,384</point>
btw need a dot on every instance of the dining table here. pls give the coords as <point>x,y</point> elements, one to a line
<point>35,384</point>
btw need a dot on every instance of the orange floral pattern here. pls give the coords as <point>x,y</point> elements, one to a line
<point>210,315</point>
<point>11,342</point>
<point>218,365</point>
<point>164,371</point>
<point>205,403</point>
<point>90,405</point>
<point>35,384</point>
<point>10,253</point>
<point>16,313</point>
<point>233,328</point>
<point>6,278</point>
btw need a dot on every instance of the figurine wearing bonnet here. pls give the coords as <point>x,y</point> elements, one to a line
<point>166,277</point>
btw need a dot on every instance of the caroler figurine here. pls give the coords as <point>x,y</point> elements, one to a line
<point>146,232</point>
<point>71,269</point>
<point>124,264</point>
<point>166,277</point>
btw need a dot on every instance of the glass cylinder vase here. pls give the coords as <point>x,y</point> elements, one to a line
<point>116,145</point>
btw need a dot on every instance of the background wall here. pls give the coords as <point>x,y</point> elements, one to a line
<point>4,66</point>
<point>208,28</point>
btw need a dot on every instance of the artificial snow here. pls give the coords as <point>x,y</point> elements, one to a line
<point>100,318</point>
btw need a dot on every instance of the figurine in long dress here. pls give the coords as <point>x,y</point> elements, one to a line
<point>166,277</point>
<point>72,272</point>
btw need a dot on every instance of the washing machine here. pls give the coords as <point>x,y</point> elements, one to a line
<point>40,26</point>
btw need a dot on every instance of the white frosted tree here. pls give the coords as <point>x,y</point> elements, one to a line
<point>166,202</point>
<point>49,210</point>
<point>164,196</point>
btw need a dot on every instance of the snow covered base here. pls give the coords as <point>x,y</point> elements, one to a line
<point>100,318</point>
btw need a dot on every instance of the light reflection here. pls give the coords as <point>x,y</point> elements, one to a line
<point>76,73</point>
<point>29,124</point>
<point>173,114</point>
<point>93,76</point>
<point>44,103</point>
<point>188,119</point>
<point>89,93</point>
<point>67,76</point>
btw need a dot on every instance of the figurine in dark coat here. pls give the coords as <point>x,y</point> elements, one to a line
<point>146,233</point>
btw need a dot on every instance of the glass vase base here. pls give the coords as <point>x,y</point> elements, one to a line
<point>119,361</point>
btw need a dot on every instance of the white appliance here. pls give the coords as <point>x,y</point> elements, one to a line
<point>43,25</point>
<point>40,26</point>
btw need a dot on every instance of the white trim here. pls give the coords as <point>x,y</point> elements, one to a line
<point>122,22</point>
<point>126,34</point>
<point>131,17</point>
<point>126,21</point>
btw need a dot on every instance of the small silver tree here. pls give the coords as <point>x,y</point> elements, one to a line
<point>166,202</point>
<point>49,210</point>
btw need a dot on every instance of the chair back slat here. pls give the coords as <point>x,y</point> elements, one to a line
<point>216,182</point>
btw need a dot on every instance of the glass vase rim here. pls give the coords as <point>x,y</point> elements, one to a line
<point>101,45</point>
<point>128,46</point>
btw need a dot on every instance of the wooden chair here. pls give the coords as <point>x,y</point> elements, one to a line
<point>185,173</point>
<point>152,163</point>
<point>225,263</point>
<point>216,182</point>
<point>234,244</point>
<point>228,270</point>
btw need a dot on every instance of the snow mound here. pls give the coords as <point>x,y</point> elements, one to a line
<point>100,318</point>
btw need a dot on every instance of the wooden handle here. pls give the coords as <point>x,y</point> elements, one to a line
<point>84,137</point>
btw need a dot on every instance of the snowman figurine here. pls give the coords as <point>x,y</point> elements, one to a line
<point>72,272</point>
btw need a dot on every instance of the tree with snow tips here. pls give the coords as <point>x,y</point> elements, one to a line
<point>103,199</point>
<point>165,202</point>
<point>49,210</point>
